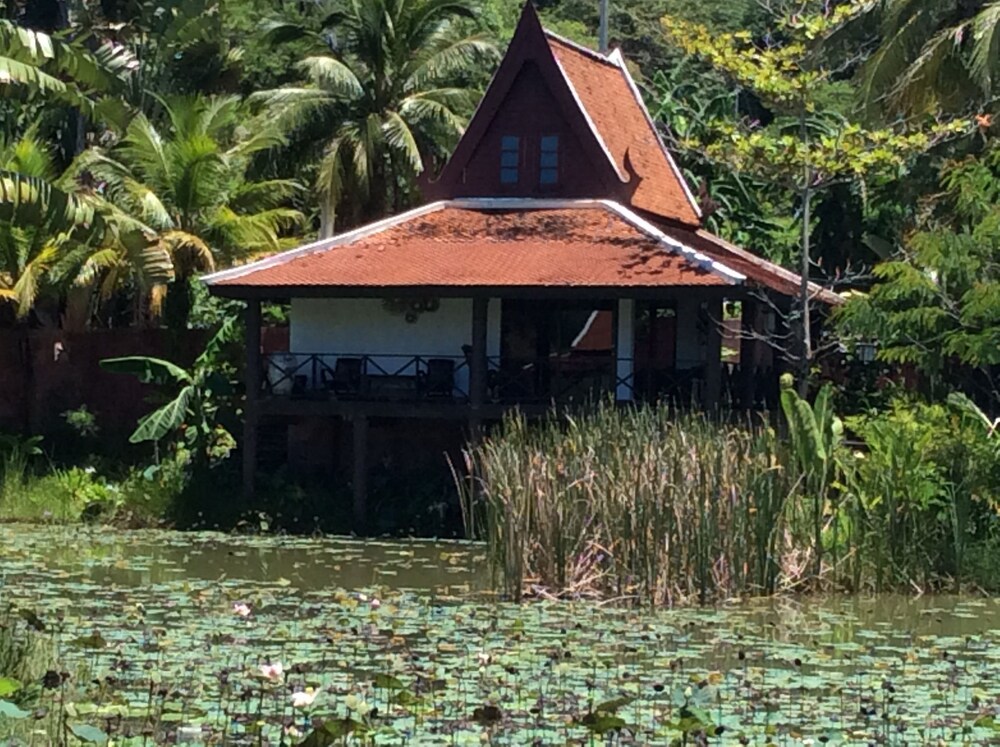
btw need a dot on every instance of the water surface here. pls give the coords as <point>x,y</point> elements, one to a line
<point>435,650</point>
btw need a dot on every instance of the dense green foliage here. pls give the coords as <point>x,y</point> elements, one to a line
<point>658,507</point>
<point>144,142</point>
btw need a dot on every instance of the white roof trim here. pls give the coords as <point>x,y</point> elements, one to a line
<point>488,203</point>
<point>579,47</point>
<point>617,58</point>
<point>322,245</point>
<point>691,255</point>
<point>586,114</point>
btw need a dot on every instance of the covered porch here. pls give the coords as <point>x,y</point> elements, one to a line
<point>521,351</point>
<point>463,309</point>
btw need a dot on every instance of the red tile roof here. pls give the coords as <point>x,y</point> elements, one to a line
<point>586,245</point>
<point>758,270</point>
<point>614,106</point>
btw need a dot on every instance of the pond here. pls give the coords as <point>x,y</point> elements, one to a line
<point>208,638</point>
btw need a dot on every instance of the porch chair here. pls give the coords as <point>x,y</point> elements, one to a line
<point>346,378</point>
<point>440,379</point>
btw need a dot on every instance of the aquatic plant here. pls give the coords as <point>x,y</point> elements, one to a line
<point>145,627</point>
<point>636,503</point>
<point>647,505</point>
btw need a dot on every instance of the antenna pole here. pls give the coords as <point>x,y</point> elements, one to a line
<point>603,32</point>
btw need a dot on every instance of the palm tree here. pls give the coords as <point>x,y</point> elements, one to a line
<point>184,185</point>
<point>41,220</point>
<point>389,87</point>
<point>37,69</point>
<point>934,55</point>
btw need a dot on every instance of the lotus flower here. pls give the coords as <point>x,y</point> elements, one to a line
<point>374,604</point>
<point>273,672</point>
<point>304,698</point>
<point>241,609</point>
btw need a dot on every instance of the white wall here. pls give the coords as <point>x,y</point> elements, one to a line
<point>625,349</point>
<point>362,326</point>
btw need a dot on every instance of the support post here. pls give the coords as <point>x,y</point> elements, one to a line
<point>478,363</point>
<point>713,356</point>
<point>250,409</point>
<point>359,432</point>
<point>625,351</point>
<point>748,352</point>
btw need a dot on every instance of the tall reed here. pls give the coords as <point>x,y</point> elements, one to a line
<point>638,503</point>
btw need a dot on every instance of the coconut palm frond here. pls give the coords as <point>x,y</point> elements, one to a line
<point>188,253</point>
<point>330,74</point>
<point>255,196</point>
<point>292,108</point>
<point>448,58</point>
<point>918,81</point>
<point>31,278</point>
<point>881,71</point>
<point>437,107</point>
<point>985,64</point>
<point>400,138</point>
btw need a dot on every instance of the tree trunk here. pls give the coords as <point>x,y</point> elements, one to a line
<point>805,332</point>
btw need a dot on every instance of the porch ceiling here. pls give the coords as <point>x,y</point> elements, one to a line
<point>491,244</point>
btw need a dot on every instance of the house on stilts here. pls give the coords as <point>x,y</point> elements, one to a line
<point>559,256</point>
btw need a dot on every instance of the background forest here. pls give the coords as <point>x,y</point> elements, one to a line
<point>144,142</point>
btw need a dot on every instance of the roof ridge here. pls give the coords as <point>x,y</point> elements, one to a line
<point>323,245</point>
<point>687,253</point>
<point>619,60</point>
<point>589,118</point>
<point>577,47</point>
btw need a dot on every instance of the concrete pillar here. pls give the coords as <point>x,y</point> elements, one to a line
<point>625,351</point>
<point>252,377</point>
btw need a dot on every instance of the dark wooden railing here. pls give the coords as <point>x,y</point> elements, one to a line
<point>577,378</point>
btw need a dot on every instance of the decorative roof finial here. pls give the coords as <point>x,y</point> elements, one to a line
<point>603,32</point>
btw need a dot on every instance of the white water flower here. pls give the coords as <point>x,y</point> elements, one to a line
<point>273,672</point>
<point>304,698</point>
<point>241,609</point>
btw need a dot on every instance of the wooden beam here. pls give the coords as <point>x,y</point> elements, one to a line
<point>589,293</point>
<point>713,357</point>
<point>478,361</point>
<point>251,415</point>
<point>625,350</point>
<point>748,352</point>
<point>359,429</point>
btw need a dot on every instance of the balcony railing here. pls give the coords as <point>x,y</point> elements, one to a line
<point>408,378</point>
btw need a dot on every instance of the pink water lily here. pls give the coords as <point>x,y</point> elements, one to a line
<point>241,609</point>
<point>273,672</point>
<point>374,604</point>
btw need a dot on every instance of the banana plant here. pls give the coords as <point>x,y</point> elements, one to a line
<point>192,413</point>
<point>815,433</point>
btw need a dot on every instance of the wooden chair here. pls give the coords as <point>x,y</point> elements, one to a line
<point>440,378</point>
<point>347,377</point>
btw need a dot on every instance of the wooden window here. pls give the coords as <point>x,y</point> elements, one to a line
<point>510,159</point>
<point>548,173</point>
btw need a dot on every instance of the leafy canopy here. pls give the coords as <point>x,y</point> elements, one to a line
<point>392,81</point>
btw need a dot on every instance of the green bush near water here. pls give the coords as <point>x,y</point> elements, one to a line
<point>653,506</point>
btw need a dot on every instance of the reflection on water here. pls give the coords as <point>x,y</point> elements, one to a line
<point>148,557</point>
<point>73,560</point>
